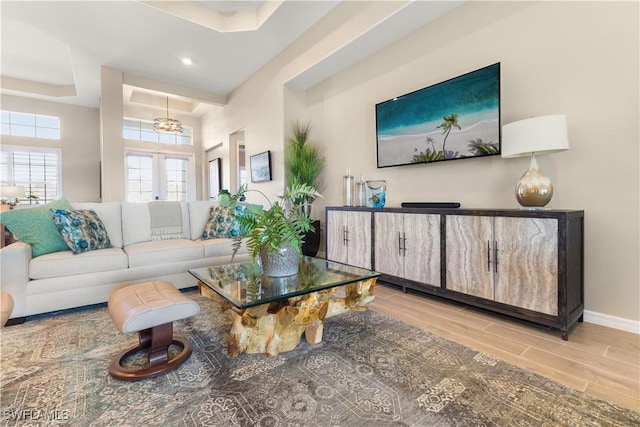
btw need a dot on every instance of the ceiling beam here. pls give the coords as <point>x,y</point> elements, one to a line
<point>187,92</point>
<point>38,88</point>
<point>223,22</point>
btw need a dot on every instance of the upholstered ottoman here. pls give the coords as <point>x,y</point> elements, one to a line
<point>6,307</point>
<point>150,309</point>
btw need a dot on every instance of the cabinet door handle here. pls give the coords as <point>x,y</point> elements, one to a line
<point>399,244</point>
<point>495,256</point>
<point>488,256</point>
<point>404,243</point>
<point>345,235</point>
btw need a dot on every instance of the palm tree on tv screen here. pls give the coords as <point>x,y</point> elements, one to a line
<point>450,121</point>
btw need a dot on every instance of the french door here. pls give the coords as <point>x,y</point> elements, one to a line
<point>159,176</point>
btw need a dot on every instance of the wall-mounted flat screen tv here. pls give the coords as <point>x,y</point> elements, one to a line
<point>455,119</point>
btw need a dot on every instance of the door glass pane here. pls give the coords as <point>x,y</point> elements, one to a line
<point>176,179</point>
<point>140,178</point>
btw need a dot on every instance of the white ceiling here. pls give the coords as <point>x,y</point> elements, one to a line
<point>54,50</point>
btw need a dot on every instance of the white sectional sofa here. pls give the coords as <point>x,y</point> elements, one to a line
<point>62,280</point>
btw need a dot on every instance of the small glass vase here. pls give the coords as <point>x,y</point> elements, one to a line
<point>377,193</point>
<point>347,190</point>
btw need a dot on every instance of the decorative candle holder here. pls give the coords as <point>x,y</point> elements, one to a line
<point>377,193</point>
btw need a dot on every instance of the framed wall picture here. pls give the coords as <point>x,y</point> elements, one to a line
<point>214,178</point>
<point>261,167</point>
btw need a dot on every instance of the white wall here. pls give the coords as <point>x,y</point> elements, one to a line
<point>79,141</point>
<point>80,145</point>
<point>264,108</point>
<point>576,58</point>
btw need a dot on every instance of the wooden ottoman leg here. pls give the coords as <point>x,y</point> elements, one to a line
<point>141,308</point>
<point>156,341</point>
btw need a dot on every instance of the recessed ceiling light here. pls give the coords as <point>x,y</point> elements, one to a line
<point>187,61</point>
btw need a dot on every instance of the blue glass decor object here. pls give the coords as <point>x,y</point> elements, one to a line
<point>377,193</point>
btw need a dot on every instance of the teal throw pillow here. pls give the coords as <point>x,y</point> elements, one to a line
<point>35,226</point>
<point>82,230</point>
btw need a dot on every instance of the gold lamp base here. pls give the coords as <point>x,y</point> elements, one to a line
<point>534,190</point>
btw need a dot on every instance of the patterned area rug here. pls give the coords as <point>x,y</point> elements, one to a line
<point>369,370</point>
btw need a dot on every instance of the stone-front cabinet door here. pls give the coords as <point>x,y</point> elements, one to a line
<point>509,260</point>
<point>408,246</point>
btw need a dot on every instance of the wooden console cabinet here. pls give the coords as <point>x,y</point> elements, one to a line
<point>527,264</point>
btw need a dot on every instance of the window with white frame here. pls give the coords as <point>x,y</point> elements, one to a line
<point>37,169</point>
<point>159,176</point>
<point>142,130</point>
<point>30,125</point>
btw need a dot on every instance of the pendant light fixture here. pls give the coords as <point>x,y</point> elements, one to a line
<point>167,125</point>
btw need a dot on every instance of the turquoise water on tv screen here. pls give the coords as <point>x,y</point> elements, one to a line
<point>475,95</point>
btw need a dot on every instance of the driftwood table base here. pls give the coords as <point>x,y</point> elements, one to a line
<point>277,327</point>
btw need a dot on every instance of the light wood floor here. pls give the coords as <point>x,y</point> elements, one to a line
<point>600,361</point>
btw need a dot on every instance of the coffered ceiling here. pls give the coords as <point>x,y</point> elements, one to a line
<point>54,50</point>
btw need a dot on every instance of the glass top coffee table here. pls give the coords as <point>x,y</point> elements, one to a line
<point>271,313</point>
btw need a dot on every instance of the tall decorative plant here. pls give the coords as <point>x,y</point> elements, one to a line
<point>303,159</point>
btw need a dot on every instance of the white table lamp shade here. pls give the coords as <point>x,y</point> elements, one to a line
<point>538,135</point>
<point>11,191</point>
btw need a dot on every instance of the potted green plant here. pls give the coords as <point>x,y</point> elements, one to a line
<point>276,233</point>
<point>303,162</point>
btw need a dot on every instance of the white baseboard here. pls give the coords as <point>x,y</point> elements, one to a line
<point>612,321</point>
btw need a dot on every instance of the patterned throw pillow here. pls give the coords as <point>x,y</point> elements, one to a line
<point>81,230</point>
<point>34,226</point>
<point>221,224</point>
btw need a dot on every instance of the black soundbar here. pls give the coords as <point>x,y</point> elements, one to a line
<point>430,205</point>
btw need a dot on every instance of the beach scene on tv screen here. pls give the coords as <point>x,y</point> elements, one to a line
<point>455,119</point>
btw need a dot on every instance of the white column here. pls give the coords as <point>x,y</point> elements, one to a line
<point>112,174</point>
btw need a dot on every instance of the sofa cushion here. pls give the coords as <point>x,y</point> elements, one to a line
<point>163,251</point>
<point>67,264</point>
<point>220,247</point>
<point>34,225</point>
<point>110,214</point>
<point>81,230</point>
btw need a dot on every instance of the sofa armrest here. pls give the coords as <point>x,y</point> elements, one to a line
<point>14,274</point>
